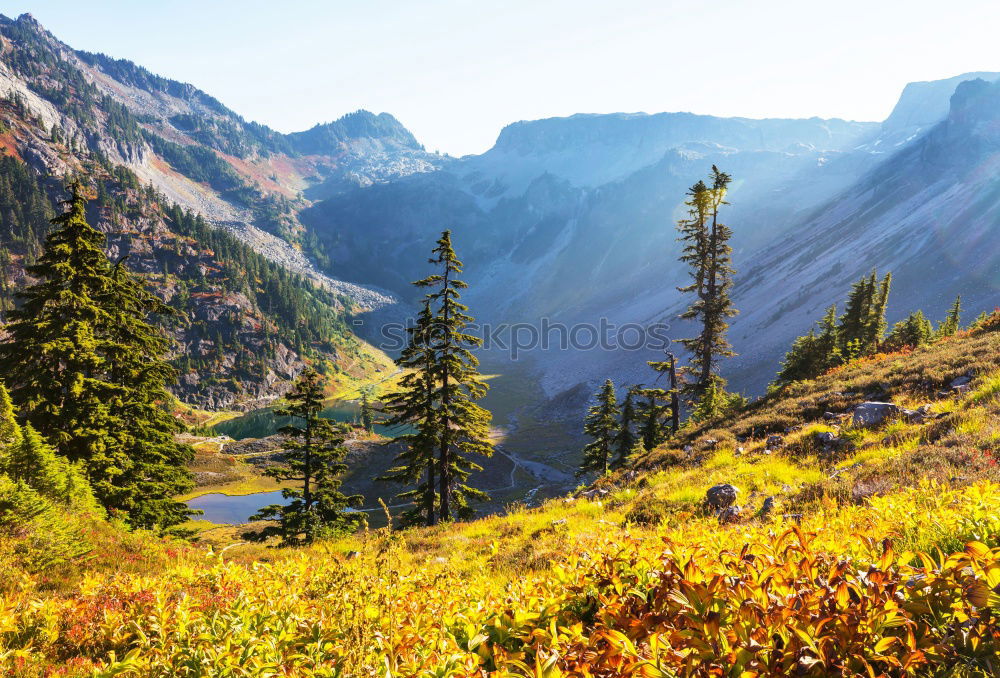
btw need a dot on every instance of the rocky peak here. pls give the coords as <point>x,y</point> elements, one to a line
<point>329,138</point>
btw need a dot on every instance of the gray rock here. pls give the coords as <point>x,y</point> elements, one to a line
<point>960,381</point>
<point>721,496</point>
<point>730,514</point>
<point>827,441</point>
<point>351,555</point>
<point>768,506</point>
<point>871,413</point>
<point>774,441</point>
<point>961,389</point>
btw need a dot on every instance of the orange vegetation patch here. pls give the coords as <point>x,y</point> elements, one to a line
<point>9,145</point>
<point>261,175</point>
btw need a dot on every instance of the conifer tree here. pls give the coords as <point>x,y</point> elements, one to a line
<point>601,424</point>
<point>85,368</point>
<point>669,367</point>
<point>951,323</point>
<point>625,438</point>
<point>813,354</point>
<point>863,324</point>
<point>463,427</point>
<point>709,256</point>
<point>414,405</point>
<point>916,330</point>
<point>716,402</point>
<point>314,454</point>
<point>439,398</point>
<point>367,411</point>
<point>650,415</point>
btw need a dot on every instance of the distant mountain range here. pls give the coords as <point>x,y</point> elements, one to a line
<point>567,218</point>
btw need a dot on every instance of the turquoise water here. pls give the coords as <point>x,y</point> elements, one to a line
<point>263,422</point>
<point>227,509</point>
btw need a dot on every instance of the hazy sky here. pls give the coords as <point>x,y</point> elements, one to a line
<point>456,72</point>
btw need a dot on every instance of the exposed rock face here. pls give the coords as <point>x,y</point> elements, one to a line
<point>721,496</point>
<point>870,414</point>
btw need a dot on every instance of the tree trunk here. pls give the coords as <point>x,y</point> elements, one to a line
<point>675,415</point>
<point>445,456</point>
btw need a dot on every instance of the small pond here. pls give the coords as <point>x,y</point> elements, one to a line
<point>225,509</point>
<point>235,509</point>
<point>263,422</point>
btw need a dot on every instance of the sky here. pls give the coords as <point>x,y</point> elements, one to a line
<point>455,72</point>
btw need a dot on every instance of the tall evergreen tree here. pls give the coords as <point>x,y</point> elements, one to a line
<point>709,257</point>
<point>625,438</point>
<point>414,405</point>
<point>951,323</point>
<point>439,398</point>
<point>463,426</point>
<point>85,367</point>
<point>601,424</point>
<point>863,324</point>
<point>314,454</point>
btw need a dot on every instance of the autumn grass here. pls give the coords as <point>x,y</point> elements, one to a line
<point>881,557</point>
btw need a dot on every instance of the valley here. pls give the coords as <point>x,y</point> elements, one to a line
<point>627,394</point>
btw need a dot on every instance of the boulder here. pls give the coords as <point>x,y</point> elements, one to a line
<point>768,506</point>
<point>774,441</point>
<point>963,380</point>
<point>873,413</point>
<point>721,496</point>
<point>827,441</point>
<point>730,514</point>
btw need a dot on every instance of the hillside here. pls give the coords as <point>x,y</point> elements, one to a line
<point>253,309</point>
<point>857,548</point>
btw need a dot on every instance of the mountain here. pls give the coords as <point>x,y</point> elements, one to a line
<point>192,197</point>
<point>572,220</point>
<point>567,219</point>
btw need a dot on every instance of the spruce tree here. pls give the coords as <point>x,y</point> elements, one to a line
<point>625,438</point>
<point>414,405</point>
<point>85,367</point>
<point>916,330</point>
<point>951,323</point>
<point>314,457</point>
<point>601,424</point>
<point>863,324</point>
<point>709,257</point>
<point>439,399</point>
<point>650,415</point>
<point>367,411</point>
<point>463,427</point>
<point>813,354</point>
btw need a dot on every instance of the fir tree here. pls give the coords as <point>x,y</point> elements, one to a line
<point>709,257</point>
<point>716,402</point>
<point>463,426</point>
<point>951,323</point>
<point>863,324</point>
<point>85,368</point>
<point>367,411</point>
<point>813,354</point>
<point>414,405</point>
<point>916,330</point>
<point>314,455</point>
<point>601,424</point>
<point>438,398</point>
<point>625,438</point>
<point>650,416</point>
